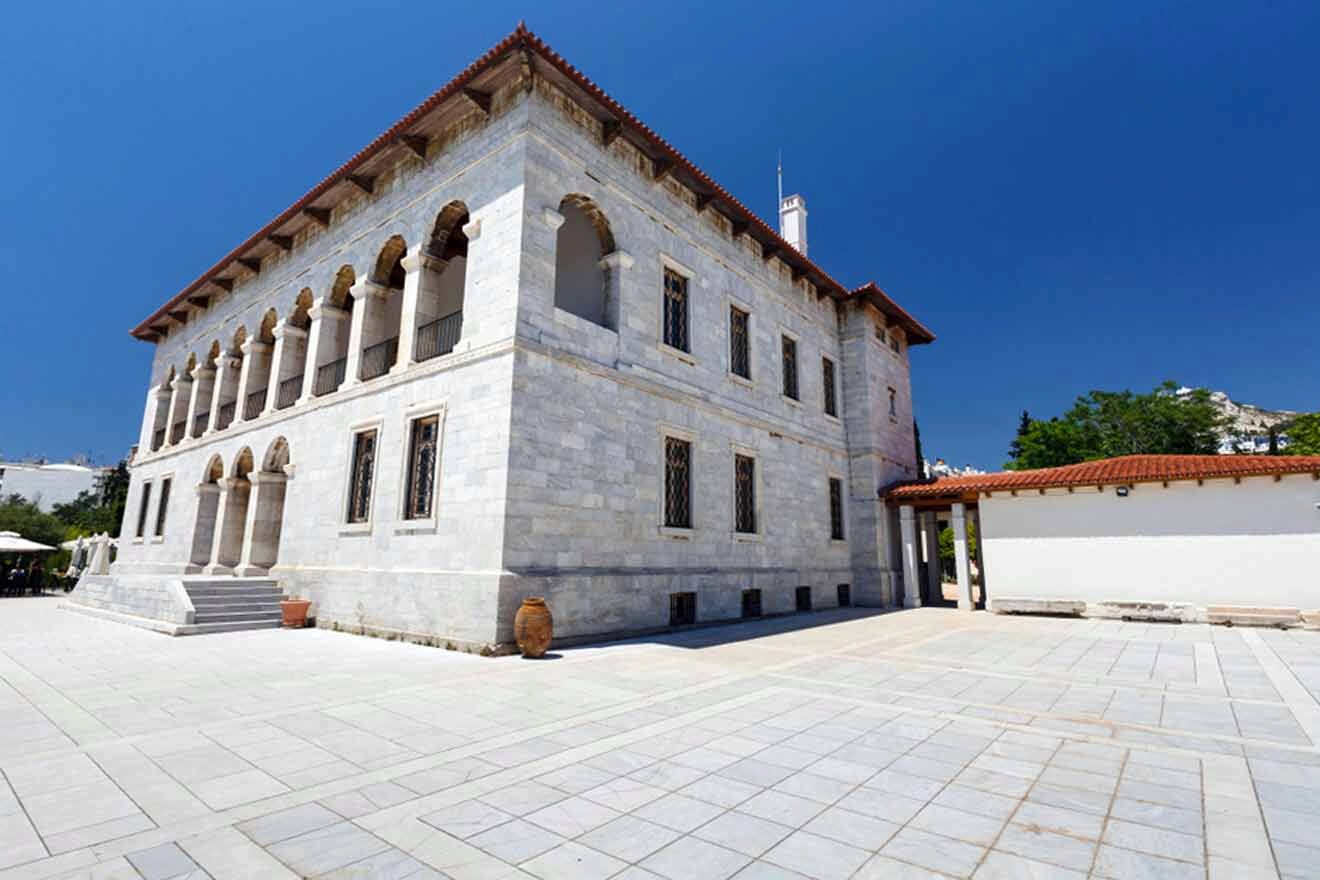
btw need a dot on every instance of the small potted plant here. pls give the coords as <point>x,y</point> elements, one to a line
<point>294,612</point>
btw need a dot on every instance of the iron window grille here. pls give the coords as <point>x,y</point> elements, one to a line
<point>439,336</point>
<point>740,359</point>
<point>142,511</point>
<point>377,359</point>
<point>836,509</point>
<point>255,403</point>
<point>803,598</point>
<point>422,451</point>
<point>363,472</point>
<point>827,374</point>
<point>744,493</point>
<point>330,376</point>
<point>790,368</point>
<point>751,603</point>
<point>678,483</point>
<point>676,311</point>
<point>164,503</point>
<point>200,422</point>
<point>289,390</point>
<point>682,609</point>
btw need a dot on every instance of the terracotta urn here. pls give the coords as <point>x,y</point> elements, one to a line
<point>294,612</point>
<point>533,627</point>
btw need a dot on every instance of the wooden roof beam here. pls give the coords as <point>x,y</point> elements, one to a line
<point>661,168</point>
<point>200,300</point>
<point>252,264</point>
<point>365,183</point>
<point>321,216</point>
<point>704,201</point>
<point>283,242</point>
<point>225,284</point>
<point>478,99</point>
<point>415,143</point>
<point>610,130</point>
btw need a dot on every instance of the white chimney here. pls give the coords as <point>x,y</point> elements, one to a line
<point>793,222</point>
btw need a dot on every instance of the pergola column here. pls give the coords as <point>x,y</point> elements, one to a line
<point>256,355</point>
<point>178,407</point>
<point>965,602</point>
<point>931,532</point>
<point>911,559</point>
<point>203,383</point>
<point>230,518</point>
<point>261,533</point>
<point>226,365</point>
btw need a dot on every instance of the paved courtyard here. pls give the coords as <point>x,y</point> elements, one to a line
<point>832,745</point>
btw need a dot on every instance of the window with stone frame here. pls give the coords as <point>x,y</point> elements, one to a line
<point>678,483</point>
<point>676,311</point>
<point>362,476</point>
<point>831,394</point>
<point>836,509</point>
<point>893,403</point>
<point>163,505</point>
<point>740,343</point>
<point>423,452</point>
<point>895,344</point>
<point>789,349</point>
<point>744,494</point>
<point>142,510</point>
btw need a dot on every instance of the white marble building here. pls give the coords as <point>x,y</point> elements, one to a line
<point>517,346</point>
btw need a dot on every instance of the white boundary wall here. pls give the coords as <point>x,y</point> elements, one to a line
<point>1252,543</point>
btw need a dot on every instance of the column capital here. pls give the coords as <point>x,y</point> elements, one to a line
<point>284,328</point>
<point>258,478</point>
<point>183,379</point>
<point>366,287</point>
<point>617,260</point>
<point>208,489</point>
<point>228,361</point>
<point>202,370</point>
<point>254,345</point>
<point>472,229</point>
<point>322,309</point>
<point>419,258</point>
<point>905,512</point>
<point>229,484</point>
<point>162,391</point>
<point>552,218</point>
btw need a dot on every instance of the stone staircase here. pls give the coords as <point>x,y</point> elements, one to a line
<point>229,604</point>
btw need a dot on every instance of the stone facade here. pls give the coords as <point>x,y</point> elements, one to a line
<point>550,474</point>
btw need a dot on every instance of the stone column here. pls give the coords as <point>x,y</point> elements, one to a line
<point>261,535</point>
<point>930,530</point>
<point>368,302</point>
<point>230,518</point>
<point>960,557</point>
<point>178,407</point>
<point>158,411</point>
<point>203,385</point>
<point>415,264</point>
<point>208,506</point>
<point>290,342</point>
<point>974,520</point>
<point>256,356</point>
<point>911,568</point>
<point>615,265</point>
<point>225,367</point>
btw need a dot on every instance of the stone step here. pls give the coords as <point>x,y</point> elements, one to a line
<point>1253,616</point>
<point>202,629</point>
<point>237,616</point>
<point>237,589</point>
<point>235,607</point>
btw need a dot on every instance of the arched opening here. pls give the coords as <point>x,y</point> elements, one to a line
<point>441,287</point>
<point>336,328</point>
<point>208,502</point>
<point>266,519</point>
<point>261,351</point>
<point>232,515</point>
<point>384,315</point>
<point>582,275</point>
<point>160,418</point>
<point>293,363</point>
<point>227,378</point>
<point>182,396</point>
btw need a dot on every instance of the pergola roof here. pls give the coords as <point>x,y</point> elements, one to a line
<point>472,88</point>
<point>1123,470</point>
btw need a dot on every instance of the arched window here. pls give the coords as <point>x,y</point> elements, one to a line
<point>582,283</point>
<point>380,336</point>
<point>440,297</point>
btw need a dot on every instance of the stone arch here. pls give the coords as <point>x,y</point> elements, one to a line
<point>276,457</point>
<point>266,521</point>
<point>191,365</point>
<point>236,343</point>
<point>388,270</point>
<point>332,354</point>
<point>582,275</point>
<point>382,318</point>
<point>243,463</point>
<point>212,353</point>
<point>300,316</point>
<point>447,237</point>
<point>266,332</point>
<point>208,503</point>
<point>442,287</point>
<point>341,289</point>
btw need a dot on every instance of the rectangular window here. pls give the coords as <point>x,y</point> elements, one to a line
<point>676,311</point>
<point>164,503</point>
<point>744,494</point>
<point>751,603</point>
<point>880,334</point>
<point>827,376</point>
<point>678,483</point>
<point>740,344</point>
<point>803,597</point>
<point>362,476</point>
<point>893,404</point>
<point>682,609</point>
<point>789,346</point>
<point>845,595</point>
<point>423,443</point>
<point>894,343</point>
<point>836,509</point>
<point>142,511</point>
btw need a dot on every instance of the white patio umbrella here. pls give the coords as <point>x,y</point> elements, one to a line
<point>12,542</point>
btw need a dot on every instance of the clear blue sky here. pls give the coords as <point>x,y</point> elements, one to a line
<point>1073,196</point>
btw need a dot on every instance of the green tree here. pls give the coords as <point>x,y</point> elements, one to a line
<point>1104,424</point>
<point>20,515</point>
<point>100,511</point>
<point>946,542</point>
<point>1303,435</point>
<point>1024,425</point>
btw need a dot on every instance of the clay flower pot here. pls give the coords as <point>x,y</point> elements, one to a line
<point>294,612</point>
<point>533,627</point>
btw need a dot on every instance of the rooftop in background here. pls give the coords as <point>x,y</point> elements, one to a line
<point>1114,471</point>
<point>474,85</point>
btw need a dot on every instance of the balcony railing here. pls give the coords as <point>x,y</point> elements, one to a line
<point>200,421</point>
<point>256,402</point>
<point>226,415</point>
<point>377,359</point>
<point>158,439</point>
<point>288,392</point>
<point>330,376</point>
<point>176,433</point>
<point>440,336</point>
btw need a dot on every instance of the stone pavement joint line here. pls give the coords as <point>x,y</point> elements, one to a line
<point>832,745</point>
